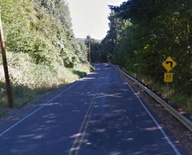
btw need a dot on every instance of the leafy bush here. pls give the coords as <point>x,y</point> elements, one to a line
<point>42,51</point>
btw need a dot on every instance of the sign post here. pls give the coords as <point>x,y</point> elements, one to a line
<point>168,64</point>
<point>3,49</point>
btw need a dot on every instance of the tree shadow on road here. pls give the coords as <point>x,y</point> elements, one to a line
<point>120,124</point>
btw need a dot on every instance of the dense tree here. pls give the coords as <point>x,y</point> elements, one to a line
<point>95,50</point>
<point>112,38</point>
<point>42,51</point>
<point>150,32</point>
<point>44,32</point>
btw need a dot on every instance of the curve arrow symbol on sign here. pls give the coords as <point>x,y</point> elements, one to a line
<point>169,62</point>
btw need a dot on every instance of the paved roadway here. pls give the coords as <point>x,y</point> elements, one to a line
<point>97,115</point>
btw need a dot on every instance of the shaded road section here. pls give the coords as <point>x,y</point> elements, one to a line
<point>97,115</point>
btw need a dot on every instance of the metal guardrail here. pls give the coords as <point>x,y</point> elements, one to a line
<point>186,122</point>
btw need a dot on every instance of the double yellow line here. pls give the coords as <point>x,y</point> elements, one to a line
<point>82,131</point>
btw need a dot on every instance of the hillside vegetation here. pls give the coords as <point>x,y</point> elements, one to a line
<point>143,33</point>
<point>42,51</point>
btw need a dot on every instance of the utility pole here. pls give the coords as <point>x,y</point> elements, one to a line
<point>89,51</point>
<point>3,50</point>
<point>88,41</point>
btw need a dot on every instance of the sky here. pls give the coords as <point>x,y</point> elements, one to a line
<point>90,17</point>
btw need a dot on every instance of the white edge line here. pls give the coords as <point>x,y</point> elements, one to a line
<point>155,121</point>
<point>24,118</point>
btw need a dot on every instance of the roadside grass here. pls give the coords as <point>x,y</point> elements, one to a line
<point>30,80</point>
<point>182,101</point>
<point>23,94</point>
<point>3,99</point>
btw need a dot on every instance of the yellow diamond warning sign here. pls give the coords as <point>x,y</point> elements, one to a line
<point>168,77</point>
<point>169,64</point>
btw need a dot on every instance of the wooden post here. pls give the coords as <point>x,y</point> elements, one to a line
<point>88,43</point>
<point>89,51</point>
<point>3,50</point>
<point>167,88</point>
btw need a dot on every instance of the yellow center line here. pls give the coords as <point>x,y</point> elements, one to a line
<point>84,131</point>
<point>79,139</point>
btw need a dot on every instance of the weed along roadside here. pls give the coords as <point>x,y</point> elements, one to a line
<point>23,95</point>
<point>42,51</point>
<point>6,72</point>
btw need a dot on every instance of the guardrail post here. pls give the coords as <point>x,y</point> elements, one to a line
<point>182,119</point>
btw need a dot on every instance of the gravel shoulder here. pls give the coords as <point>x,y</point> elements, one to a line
<point>181,135</point>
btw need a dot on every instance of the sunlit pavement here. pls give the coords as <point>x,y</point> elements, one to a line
<point>98,115</point>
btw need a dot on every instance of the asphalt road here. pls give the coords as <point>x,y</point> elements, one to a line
<point>97,115</point>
